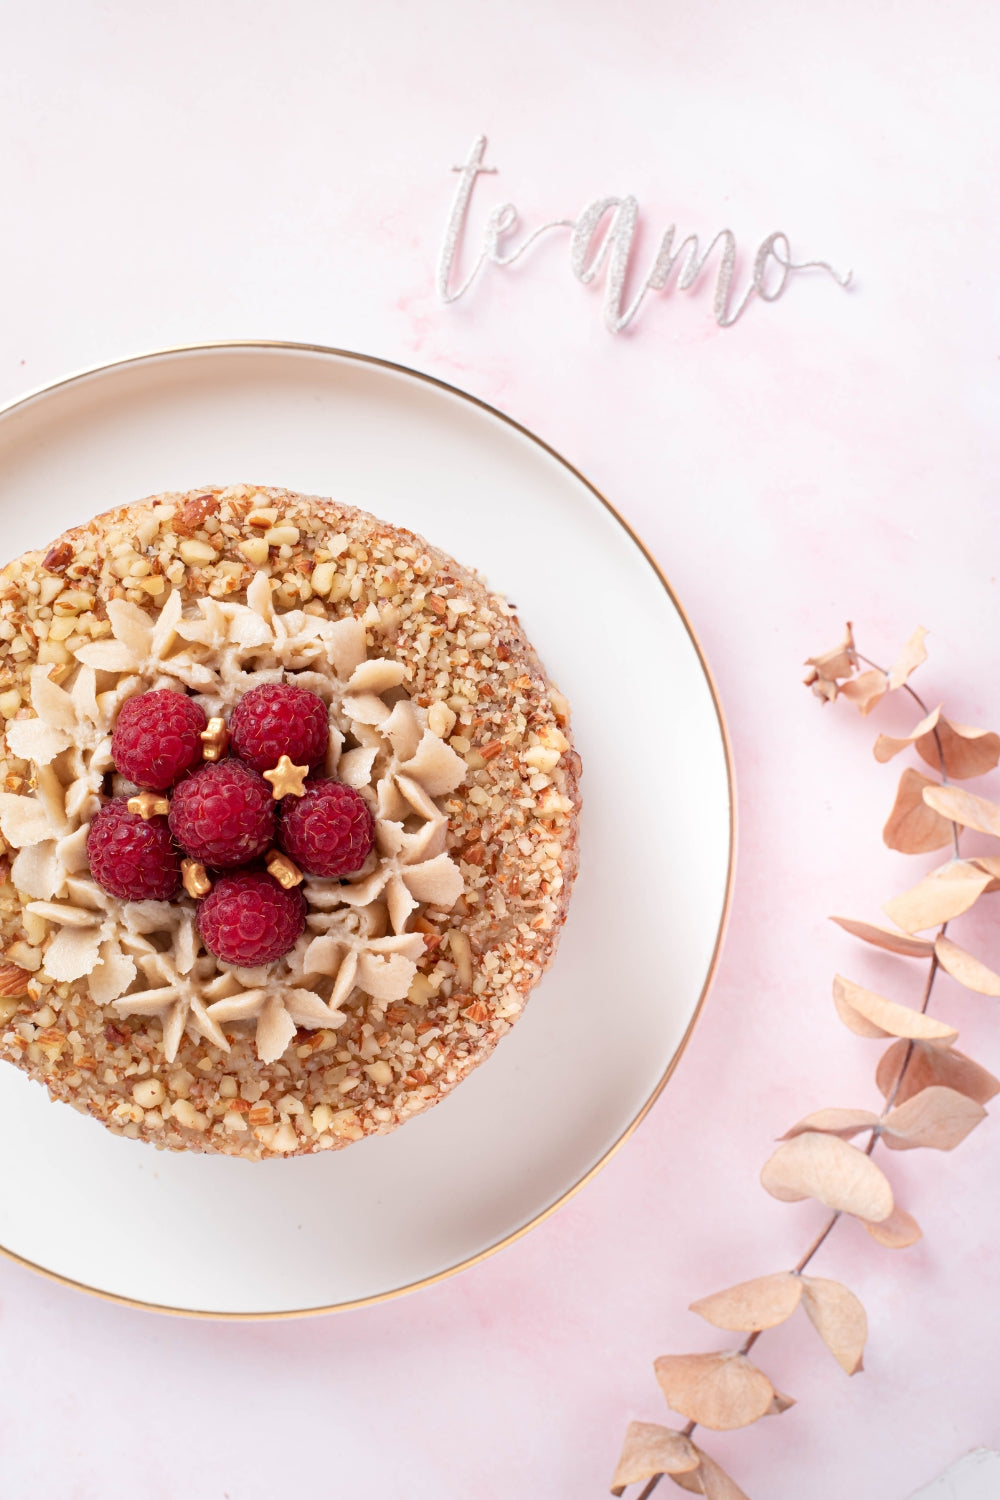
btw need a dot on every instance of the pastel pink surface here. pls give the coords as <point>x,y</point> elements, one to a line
<point>832,456</point>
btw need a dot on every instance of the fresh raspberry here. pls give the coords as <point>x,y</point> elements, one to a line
<point>279,719</point>
<point>249,919</point>
<point>223,814</point>
<point>328,831</point>
<point>156,738</point>
<point>130,857</point>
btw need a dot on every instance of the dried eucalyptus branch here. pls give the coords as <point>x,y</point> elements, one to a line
<point>933,1095</point>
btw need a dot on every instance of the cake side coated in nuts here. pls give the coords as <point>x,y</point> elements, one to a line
<point>462,660</point>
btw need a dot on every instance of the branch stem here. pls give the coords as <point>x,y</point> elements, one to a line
<point>937,738</point>
<point>873,1139</point>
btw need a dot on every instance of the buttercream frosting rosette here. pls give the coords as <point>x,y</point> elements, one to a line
<point>439,733</point>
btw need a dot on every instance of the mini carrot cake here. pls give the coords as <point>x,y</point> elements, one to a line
<point>289,816</point>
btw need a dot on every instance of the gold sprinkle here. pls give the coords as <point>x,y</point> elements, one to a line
<point>286,779</point>
<point>194,878</point>
<point>282,869</point>
<point>214,740</point>
<point>149,805</point>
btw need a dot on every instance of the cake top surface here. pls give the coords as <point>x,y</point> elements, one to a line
<point>440,717</point>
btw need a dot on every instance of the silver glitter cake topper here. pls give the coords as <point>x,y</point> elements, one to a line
<point>602,238</point>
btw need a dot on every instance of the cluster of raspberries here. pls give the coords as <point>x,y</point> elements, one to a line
<point>224,815</point>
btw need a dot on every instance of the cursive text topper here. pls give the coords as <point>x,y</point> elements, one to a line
<point>601,239</point>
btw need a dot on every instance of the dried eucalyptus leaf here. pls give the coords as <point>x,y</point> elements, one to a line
<point>963,807</point>
<point>709,1480</point>
<point>690,1481</point>
<point>883,937</point>
<point>887,745</point>
<point>927,1065</point>
<point>831,1170</point>
<point>937,1117</point>
<point>866,690</point>
<point>779,1404</point>
<point>912,655</point>
<point>913,826</point>
<point>991,866</point>
<point>945,893</point>
<point>839,662</point>
<point>838,1318</point>
<point>842,1122</point>
<point>896,1232</point>
<point>871,1015</point>
<point>967,751</point>
<point>720,1391</point>
<point>966,969</point>
<point>650,1449</point>
<point>752,1305</point>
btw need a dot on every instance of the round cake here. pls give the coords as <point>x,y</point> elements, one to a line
<point>289,821</point>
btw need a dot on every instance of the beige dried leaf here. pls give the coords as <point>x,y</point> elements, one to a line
<point>967,751</point>
<point>870,1015</point>
<point>963,807</point>
<point>938,1117</point>
<point>945,893</point>
<point>708,1480</point>
<point>838,1318</point>
<point>779,1404</point>
<point>691,1481</point>
<point>866,690</point>
<point>966,969</point>
<point>896,1232</point>
<point>913,826</point>
<point>844,1123</point>
<point>840,662</point>
<point>929,1065</point>
<point>912,655</point>
<point>752,1305</point>
<point>831,1170</point>
<point>720,1391</point>
<point>888,745</point>
<point>991,866</point>
<point>650,1449</point>
<point>884,937</point>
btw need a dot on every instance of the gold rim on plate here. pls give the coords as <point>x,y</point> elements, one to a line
<point>615,1147</point>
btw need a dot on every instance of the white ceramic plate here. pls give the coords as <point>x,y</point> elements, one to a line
<point>209,1235</point>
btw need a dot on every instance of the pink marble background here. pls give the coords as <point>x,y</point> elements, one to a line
<point>281,170</point>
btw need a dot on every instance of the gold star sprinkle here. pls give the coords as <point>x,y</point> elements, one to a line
<point>284,870</point>
<point>286,779</point>
<point>148,805</point>
<point>214,740</point>
<point>194,878</point>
